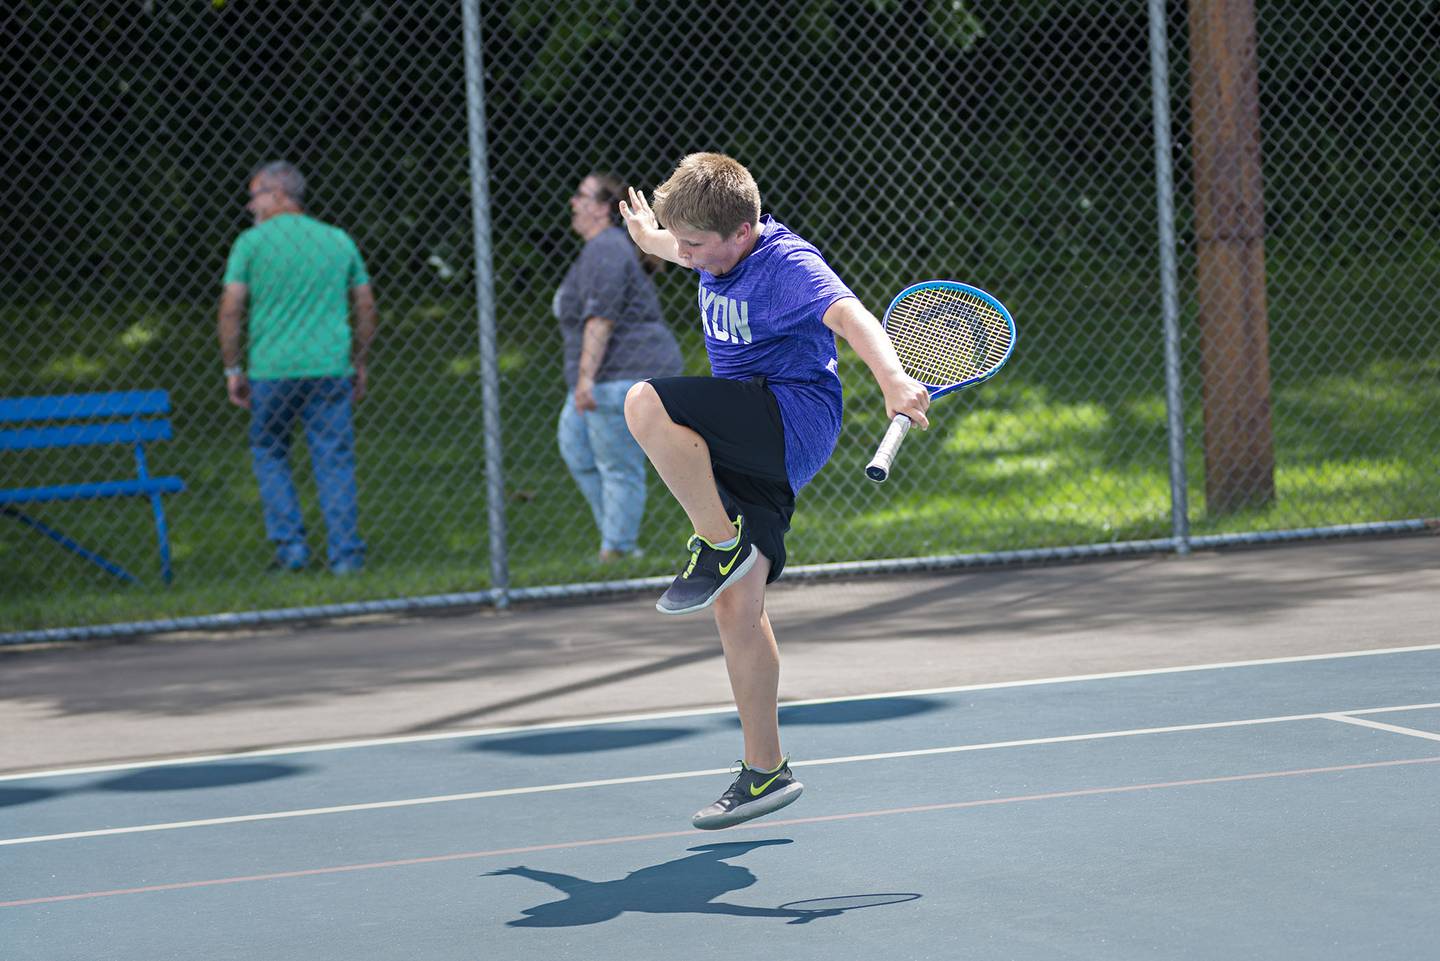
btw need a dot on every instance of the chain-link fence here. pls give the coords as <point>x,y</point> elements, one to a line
<point>1007,144</point>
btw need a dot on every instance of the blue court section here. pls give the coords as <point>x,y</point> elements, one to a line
<point>1280,810</point>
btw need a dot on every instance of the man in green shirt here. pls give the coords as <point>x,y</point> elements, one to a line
<point>300,281</point>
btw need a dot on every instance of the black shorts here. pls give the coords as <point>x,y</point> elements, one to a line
<point>740,421</point>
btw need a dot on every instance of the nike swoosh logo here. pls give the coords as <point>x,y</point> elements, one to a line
<point>757,790</point>
<point>726,568</point>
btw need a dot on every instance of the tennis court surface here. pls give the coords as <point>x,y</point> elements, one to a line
<point>1162,798</point>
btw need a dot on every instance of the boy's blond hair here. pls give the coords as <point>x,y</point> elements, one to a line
<point>709,191</point>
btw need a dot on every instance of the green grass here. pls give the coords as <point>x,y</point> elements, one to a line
<point>1067,446</point>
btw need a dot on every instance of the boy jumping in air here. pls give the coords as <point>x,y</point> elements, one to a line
<point>735,448</point>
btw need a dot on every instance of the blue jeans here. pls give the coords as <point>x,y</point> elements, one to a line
<point>323,405</point>
<point>607,463</point>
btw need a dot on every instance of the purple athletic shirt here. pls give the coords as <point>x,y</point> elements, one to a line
<point>763,318</point>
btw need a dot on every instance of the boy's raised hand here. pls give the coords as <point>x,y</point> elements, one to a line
<point>640,220</point>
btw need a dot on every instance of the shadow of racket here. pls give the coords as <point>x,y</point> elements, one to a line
<point>813,908</point>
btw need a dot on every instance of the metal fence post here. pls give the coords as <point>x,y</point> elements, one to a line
<point>1169,293</point>
<point>485,301</point>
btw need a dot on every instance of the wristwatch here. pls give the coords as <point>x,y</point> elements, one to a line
<point>234,371</point>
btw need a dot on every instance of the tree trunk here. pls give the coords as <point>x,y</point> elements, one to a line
<point>1230,241</point>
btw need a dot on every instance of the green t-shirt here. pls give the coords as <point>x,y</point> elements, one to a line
<point>299,272</point>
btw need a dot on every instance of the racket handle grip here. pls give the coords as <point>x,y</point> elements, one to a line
<point>879,468</point>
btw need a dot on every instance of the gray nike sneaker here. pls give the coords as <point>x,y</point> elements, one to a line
<point>710,571</point>
<point>754,793</point>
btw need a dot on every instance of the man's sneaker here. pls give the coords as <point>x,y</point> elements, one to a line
<point>289,558</point>
<point>709,572</point>
<point>754,793</point>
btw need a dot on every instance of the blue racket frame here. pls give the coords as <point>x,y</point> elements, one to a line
<point>935,389</point>
<point>879,467</point>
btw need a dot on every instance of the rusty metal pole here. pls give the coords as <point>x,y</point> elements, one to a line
<point>1230,242</point>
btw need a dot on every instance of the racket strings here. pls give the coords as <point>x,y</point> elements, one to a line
<point>945,336</point>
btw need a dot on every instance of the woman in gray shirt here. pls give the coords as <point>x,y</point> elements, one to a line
<point>613,335</point>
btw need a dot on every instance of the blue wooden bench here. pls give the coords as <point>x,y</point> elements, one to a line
<point>130,417</point>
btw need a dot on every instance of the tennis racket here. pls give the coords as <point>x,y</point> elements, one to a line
<point>949,335</point>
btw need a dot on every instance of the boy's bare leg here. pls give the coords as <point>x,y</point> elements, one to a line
<point>753,661</point>
<point>682,459</point>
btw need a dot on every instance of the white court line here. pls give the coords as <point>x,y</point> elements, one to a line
<point>609,782</point>
<point>1393,728</point>
<point>694,712</point>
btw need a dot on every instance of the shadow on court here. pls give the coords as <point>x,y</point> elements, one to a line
<point>186,777</point>
<point>582,741</point>
<point>585,741</point>
<point>688,885</point>
<point>854,712</point>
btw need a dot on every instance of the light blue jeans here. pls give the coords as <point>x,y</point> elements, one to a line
<point>607,463</point>
<point>323,405</point>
